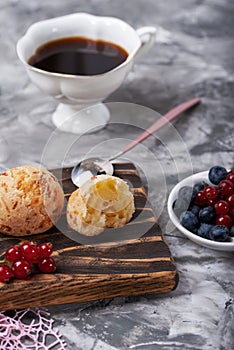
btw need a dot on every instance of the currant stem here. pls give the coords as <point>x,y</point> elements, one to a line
<point>4,261</point>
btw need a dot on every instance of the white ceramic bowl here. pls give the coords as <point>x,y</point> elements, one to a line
<point>190,181</point>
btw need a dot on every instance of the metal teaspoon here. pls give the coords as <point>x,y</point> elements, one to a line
<point>96,166</point>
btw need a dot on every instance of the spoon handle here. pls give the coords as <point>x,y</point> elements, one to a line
<point>173,113</point>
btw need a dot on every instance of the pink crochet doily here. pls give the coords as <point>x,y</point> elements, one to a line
<point>29,329</point>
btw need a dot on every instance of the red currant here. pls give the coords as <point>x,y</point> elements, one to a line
<point>200,199</point>
<point>211,202</point>
<point>13,253</point>
<point>47,265</point>
<point>5,273</point>
<point>230,177</point>
<point>30,252</point>
<point>230,201</point>
<point>224,220</point>
<point>210,192</point>
<point>46,249</point>
<point>21,269</point>
<point>231,213</point>
<point>225,188</point>
<point>221,207</point>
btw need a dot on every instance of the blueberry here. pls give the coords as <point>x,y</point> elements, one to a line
<point>179,206</point>
<point>204,230</point>
<point>199,186</point>
<point>195,209</point>
<point>207,215</point>
<point>218,233</point>
<point>231,232</point>
<point>187,193</point>
<point>189,221</point>
<point>216,174</point>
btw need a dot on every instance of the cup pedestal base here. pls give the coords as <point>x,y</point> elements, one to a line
<point>81,119</point>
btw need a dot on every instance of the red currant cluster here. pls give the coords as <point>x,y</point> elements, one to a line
<point>20,259</point>
<point>221,198</point>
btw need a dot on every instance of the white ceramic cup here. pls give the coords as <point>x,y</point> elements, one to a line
<point>80,109</point>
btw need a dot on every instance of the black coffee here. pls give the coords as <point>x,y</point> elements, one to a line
<point>78,56</point>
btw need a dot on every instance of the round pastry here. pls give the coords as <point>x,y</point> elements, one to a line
<point>31,201</point>
<point>101,202</point>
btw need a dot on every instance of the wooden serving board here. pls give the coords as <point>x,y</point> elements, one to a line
<point>139,263</point>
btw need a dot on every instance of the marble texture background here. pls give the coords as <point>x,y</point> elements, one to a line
<point>192,56</point>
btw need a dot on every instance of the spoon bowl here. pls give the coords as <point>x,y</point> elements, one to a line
<point>87,168</point>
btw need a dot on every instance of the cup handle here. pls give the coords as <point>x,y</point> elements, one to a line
<point>149,34</point>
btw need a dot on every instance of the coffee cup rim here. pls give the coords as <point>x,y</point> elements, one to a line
<point>75,76</point>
